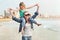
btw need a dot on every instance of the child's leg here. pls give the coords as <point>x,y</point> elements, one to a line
<point>22,24</point>
<point>16,19</point>
<point>21,21</point>
<point>33,21</point>
<point>20,27</point>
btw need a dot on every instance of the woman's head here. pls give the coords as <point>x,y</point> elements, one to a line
<point>27,15</point>
<point>22,5</point>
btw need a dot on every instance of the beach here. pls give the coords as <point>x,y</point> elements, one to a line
<point>5,19</point>
<point>9,30</point>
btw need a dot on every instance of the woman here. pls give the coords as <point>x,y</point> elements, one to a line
<point>26,30</point>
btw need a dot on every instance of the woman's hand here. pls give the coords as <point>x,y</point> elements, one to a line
<point>22,31</point>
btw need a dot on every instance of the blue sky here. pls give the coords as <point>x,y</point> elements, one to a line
<point>47,7</point>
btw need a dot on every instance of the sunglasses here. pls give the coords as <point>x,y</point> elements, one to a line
<point>27,15</point>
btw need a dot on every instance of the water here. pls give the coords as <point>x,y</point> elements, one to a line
<point>46,23</point>
<point>53,24</point>
<point>49,30</point>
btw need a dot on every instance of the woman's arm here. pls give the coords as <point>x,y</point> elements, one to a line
<point>22,31</point>
<point>36,13</point>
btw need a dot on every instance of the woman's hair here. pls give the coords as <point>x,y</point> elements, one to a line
<point>21,4</point>
<point>27,13</point>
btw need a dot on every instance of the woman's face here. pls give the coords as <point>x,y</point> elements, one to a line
<point>27,16</point>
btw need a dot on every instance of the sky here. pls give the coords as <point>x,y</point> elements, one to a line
<point>47,7</point>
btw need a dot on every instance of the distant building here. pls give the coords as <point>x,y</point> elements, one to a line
<point>1,16</point>
<point>7,14</point>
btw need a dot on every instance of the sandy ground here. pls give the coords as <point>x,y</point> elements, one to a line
<point>11,33</point>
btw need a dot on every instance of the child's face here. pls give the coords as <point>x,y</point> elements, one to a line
<point>22,7</point>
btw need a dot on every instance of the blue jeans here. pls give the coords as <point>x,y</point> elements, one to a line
<point>21,21</point>
<point>26,38</point>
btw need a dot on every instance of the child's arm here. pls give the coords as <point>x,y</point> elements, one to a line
<point>32,6</point>
<point>17,9</point>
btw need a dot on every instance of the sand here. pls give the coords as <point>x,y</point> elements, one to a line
<point>11,33</point>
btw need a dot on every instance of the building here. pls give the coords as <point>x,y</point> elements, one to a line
<point>7,14</point>
<point>1,16</point>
